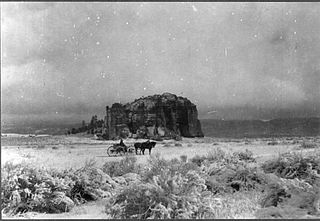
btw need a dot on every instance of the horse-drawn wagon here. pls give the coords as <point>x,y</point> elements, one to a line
<point>119,150</point>
<point>122,149</point>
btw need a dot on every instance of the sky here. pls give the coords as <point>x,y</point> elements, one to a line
<point>233,60</point>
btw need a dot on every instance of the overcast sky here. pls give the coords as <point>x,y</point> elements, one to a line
<point>233,60</point>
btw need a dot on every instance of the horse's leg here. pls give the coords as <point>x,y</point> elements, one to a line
<point>143,151</point>
<point>136,151</point>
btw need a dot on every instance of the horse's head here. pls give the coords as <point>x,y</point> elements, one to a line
<point>153,144</point>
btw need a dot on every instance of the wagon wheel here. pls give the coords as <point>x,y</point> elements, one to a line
<point>121,152</point>
<point>131,150</point>
<point>112,151</point>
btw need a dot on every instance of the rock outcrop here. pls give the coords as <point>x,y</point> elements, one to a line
<point>165,115</point>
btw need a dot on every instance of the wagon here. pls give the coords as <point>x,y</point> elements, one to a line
<point>119,150</point>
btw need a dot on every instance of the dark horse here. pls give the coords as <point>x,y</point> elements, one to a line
<point>145,145</point>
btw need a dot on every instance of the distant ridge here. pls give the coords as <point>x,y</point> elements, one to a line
<point>261,128</point>
<point>210,127</point>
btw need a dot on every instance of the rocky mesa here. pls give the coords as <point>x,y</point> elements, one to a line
<point>165,115</point>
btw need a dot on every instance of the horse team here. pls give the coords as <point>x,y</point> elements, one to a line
<point>143,146</point>
<point>137,146</point>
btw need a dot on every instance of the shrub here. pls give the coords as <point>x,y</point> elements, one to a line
<point>304,200</point>
<point>274,142</point>
<point>137,201</point>
<point>246,179</point>
<point>82,192</point>
<point>199,141</point>
<point>239,205</point>
<point>247,156</point>
<point>183,158</point>
<point>41,146</point>
<point>89,163</point>
<point>178,145</point>
<point>294,195</point>
<point>295,141</point>
<point>215,155</point>
<point>158,165</point>
<point>235,179</point>
<point>24,189</point>
<point>223,158</point>
<point>275,195</point>
<point>27,155</point>
<point>308,145</point>
<point>198,160</point>
<point>178,138</point>
<point>87,182</point>
<point>167,145</point>
<point>165,196</point>
<point>289,198</point>
<point>55,147</point>
<point>293,165</point>
<point>119,168</point>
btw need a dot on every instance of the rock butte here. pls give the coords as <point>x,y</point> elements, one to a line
<point>165,115</point>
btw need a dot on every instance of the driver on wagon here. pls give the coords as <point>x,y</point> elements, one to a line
<point>123,145</point>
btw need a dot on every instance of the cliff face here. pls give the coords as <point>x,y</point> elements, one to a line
<point>163,115</point>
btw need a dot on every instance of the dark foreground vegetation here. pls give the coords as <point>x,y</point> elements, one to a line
<point>217,185</point>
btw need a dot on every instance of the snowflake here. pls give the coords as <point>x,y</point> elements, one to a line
<point>194,8</point>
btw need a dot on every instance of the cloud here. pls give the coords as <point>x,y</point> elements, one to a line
<point>51,57</point>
